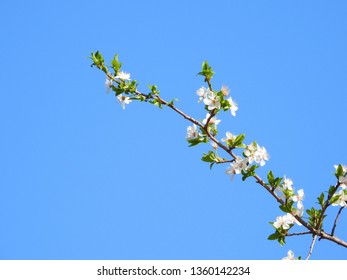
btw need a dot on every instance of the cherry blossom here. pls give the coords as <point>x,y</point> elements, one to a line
<point>212,101</point>
<point>108,84</point>
<point>192,132</point>
<point>123,76</point>
<point>284,221</point>
<point>290,256</point>
<point>239,165</point>
<point>299,198</point>
<point>233,106</point>
<point>123,100</point>
<point>202,92</point>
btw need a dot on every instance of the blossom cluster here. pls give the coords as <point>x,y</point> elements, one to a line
<point>214,100</point>
<point>286,192</point>
<point>252,153</point>
<point>122,76</point>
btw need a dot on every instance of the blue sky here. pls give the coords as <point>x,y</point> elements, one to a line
<point>83,179</point>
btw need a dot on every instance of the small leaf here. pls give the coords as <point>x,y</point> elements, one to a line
<point>116,65</point>
<point>282,240</point>
<point>207,157</point>
<point>270,178</point>
<point>334,199</point>
<point>206,71</point>
<point>238,140</point>
<point>339,171</point>
<point>332,190</point>
<point>196,141</point>
<point>274,236</point>
<point>321,199</point>
<point>287,208</point>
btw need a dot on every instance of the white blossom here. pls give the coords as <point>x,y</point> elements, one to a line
<point>239,165</point>
<point>250,152</point>
<point>256,153</point>
<point>123,76</point>
<point>262,156</point>
<point>225,90</point>
<point>212,101</point>
<point>284,221</point>
<point>290,256</point>
<point>202,92</point>
<point>299,198</point>
<point>123,100</point>
<point>230,138</point>
<point>214,145</point>
<point>287,185</point>
<point>108,84</point>
<point>233,106</point>
<point>192,132</point>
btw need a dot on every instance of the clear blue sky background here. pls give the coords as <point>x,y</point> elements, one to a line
<point>83,179</point>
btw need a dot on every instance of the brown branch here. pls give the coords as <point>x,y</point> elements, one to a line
<point>298,233</point>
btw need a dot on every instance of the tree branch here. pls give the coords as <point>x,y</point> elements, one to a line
<point>311,247</point>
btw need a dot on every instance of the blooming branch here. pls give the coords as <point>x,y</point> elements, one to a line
<point>244,163</point>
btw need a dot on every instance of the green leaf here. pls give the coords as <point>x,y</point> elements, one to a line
<point>171,102</point>
<point>196,141</point>
<point>156,102</point>
<point>274,236</point>
<point>321,199</point>
<point>154,89</point>
<point>274,182</point>
<point>207,157</point>
<point>339,171</point>
<point>225,105</point>
<point>270,178</point>
<point>277,181</point>
<point>116,65</point>
<point>212,157</point>
<point>249,172</point>
<point>282,240</point>
<point>239,139</point>
<point>334,199</point>
<point>98,61</point>
<point>206,71</point>
<point>331,190</point>
<point>287,208</point>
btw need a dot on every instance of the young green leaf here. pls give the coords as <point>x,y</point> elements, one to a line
<point>339,171</point>
<point>116,65</point>
<point>321,199</point>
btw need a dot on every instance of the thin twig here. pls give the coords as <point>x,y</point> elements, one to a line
<point>298,233</point>
<point>311,247</point>
<point>335,222</point>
